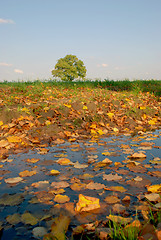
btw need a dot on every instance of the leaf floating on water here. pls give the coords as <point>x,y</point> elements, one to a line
<point>13,219</point>
<point>40,184</point>
<point>64,161</point>
<point>13,180</point>
<point>78,165</point>
<point>58,228</point>
<point>138,155</point>
<point>87,203</point>
<point>96,186</point>
<point>112,199</point>
<point>28,218</point>
<point>61,184</point>
<point>33,160</point>
<point>54,172</point>
<point>138,179</point>
<point>11,200</point>
<point>111,177</point>
<point>77,186</point>
<point>154,188</point>
<point>27,173</point>
<point>61,198</point>
<point>116,189</point>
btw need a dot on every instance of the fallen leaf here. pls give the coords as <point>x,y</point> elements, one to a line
<point>28,218</point>
<point>13,219</point>
<point>54,172</point>
<point>154,188</point>
<point>39,232</point>
<point>152,197</point>
<point>40,184</point>
<point>111,177</point>
<point>87,203</point>
<point>96,186</point>
<point>61,198</point>
<point>116,188</point>
<point>77,186</point>
<point>61,184</point>
<point>11,199</point>
<point>78,165</point>
<point>27,173</point>
<point>64,161</point>
<point>112,199</point>
<point>33,160</point>
<point>119,219</point>
<point>3,143</point>
<point>58,228</point>
<point>13,180</point>
<point>14,139</point>
<point>138,155</point>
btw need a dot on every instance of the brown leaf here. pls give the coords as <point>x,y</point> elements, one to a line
<point>61,198</point>
<point>93,185</point>
<point>112,199</point>
<point>27,173</point>
<point>111,177</point>
<point>61,184</point>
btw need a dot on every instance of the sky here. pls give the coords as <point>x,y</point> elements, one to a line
<point>116,39</point>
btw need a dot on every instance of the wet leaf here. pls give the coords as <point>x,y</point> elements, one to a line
<point>119,219</point>
<point>61,198</point>
<point>96,186</point>
<point>13,180</point>
<point>13,219</point>
<point>87,203</point>
<point>78,165</point>
<point>32,160</point>
<point>59,227</point>
<point>138,155</point>
<point>40,184</point>
<point>61,184</point>
<point>27,173</point>
<point>39,232</point>
<point>64,161</point>
<point>28,218</point>
<point>3,143</point>
<point>11,199</point>
<point>112,199</point>
<point>154,188</point>
<point>54,172</point>
<point>116,188</point>
<point>153,197</point>
<point>77,186</point>
<point>111,177</point>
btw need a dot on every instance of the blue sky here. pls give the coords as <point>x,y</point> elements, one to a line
<point>115,39</point>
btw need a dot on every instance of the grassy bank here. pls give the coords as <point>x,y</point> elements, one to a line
<point>52,109</point>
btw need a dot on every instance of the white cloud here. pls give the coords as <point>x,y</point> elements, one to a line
<point>6,21</point>
<point>18,71</point>
<point>104,65</point>
<point>5,64</point>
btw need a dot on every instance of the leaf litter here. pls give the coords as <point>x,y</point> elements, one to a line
<point>93,184</point>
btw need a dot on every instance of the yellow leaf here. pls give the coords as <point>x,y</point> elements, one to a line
<point>68,105</point>
<point>61,198</point>
<point>27,173</point>
<point>54,172</point>
<point>110,115</point>
<point>142,108</point>
<point>59,227</point>
<point>47,122</point>
<point>119,219</point>
<point>152,121</point>
<point>64,161</point>
<point>14,139</point>
<point>86,203</point>
<point>1,123</point>
<point>93,131</point>
<point>154,188</point>
<point>93,125</point>
<point>100,131</point>
<point>115,130</point>
<point>85,107</point>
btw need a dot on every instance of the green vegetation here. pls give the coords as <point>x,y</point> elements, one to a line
<point>69,68</point>
<point>136,86</point>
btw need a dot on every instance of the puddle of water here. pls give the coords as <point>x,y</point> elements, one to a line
<point>116,148</point>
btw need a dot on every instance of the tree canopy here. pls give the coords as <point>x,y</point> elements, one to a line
<point>69,68</point>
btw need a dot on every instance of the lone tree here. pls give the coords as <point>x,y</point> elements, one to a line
<point>69,68</point>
